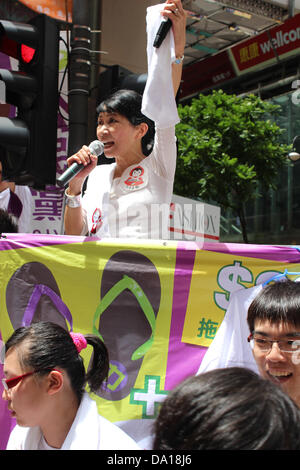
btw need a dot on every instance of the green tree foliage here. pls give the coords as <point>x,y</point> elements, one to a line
<point>226,146</point>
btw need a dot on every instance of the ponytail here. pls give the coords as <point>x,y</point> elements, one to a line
<point>98,371</point>
<point>49,346</point>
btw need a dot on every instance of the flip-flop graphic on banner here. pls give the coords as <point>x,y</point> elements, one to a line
<point>127,317</point>
<point>38,297</point>
<point>118,368</point>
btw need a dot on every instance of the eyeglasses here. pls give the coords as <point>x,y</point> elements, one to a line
<point>10,383</point>
<point>266,345</point>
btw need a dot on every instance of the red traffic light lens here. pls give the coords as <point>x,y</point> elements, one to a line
<point>27,53</point>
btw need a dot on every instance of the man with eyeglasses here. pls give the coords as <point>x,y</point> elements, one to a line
<point>274,323</point>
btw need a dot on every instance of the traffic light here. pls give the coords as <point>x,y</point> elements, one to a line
<point>117,78</point>
<point>28,141</point>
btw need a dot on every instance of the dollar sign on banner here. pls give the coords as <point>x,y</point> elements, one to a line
<point>230,279</point>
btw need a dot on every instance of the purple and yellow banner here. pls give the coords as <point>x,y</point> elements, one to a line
<point>156,304</point>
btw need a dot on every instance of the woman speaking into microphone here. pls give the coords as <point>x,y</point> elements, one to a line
<point>131,196</point>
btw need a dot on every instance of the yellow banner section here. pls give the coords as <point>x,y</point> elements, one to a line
<point>156,305</point>
<point>123,295</point>
<point>215,277</point>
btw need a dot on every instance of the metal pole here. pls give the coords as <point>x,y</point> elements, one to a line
<point>291,8</point>
<point>79,75</point>
<point>96,15</point>
<point>289,173</point>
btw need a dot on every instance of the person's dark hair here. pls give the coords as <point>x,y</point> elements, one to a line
<point>276,303</point>
<point>7,223</point>
<point>227,409</point>
<point>128,103</point>
<point>46,345</point>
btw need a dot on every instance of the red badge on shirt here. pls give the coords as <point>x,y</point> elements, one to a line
<point>97,220</point>
<point>135,177</point>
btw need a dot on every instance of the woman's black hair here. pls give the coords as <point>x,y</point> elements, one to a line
<point>48,345</point>
<point>128,103</point>
<point>227,409</point>
<point>276,303</point>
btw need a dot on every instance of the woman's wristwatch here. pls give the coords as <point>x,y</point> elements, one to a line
<point>72,201</point>
<point>178,60</point>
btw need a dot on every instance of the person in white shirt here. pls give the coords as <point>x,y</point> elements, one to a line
<point>18,202</point>
<point>274,325</point>
<point>44,380</point>
<point>131,197</point>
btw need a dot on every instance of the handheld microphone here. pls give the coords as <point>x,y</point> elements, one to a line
<point>96,147</point>
<point>162,31</point>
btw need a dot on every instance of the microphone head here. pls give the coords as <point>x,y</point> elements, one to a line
<point>96,147</point>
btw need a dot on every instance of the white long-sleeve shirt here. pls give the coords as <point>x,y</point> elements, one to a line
<point>26,206</point>
<point>138,203</point>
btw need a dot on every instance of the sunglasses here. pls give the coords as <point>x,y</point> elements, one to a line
<point>10,383</point>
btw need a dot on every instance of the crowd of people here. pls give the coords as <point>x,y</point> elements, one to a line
<point>45,377</point>
<point>16,205</point>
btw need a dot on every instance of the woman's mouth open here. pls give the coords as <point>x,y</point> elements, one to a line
<point>108,145</point>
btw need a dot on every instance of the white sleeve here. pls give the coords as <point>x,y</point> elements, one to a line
<point>158,98</point>
<point>85,227</point>
<point>114,438</point>
<point>163,157</point>
<point>25,219</point>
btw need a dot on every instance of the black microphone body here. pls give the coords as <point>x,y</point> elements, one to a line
<point>96,147</point>
<point>162,31</point>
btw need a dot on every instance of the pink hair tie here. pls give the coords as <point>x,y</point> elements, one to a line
<point>79,341</point>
